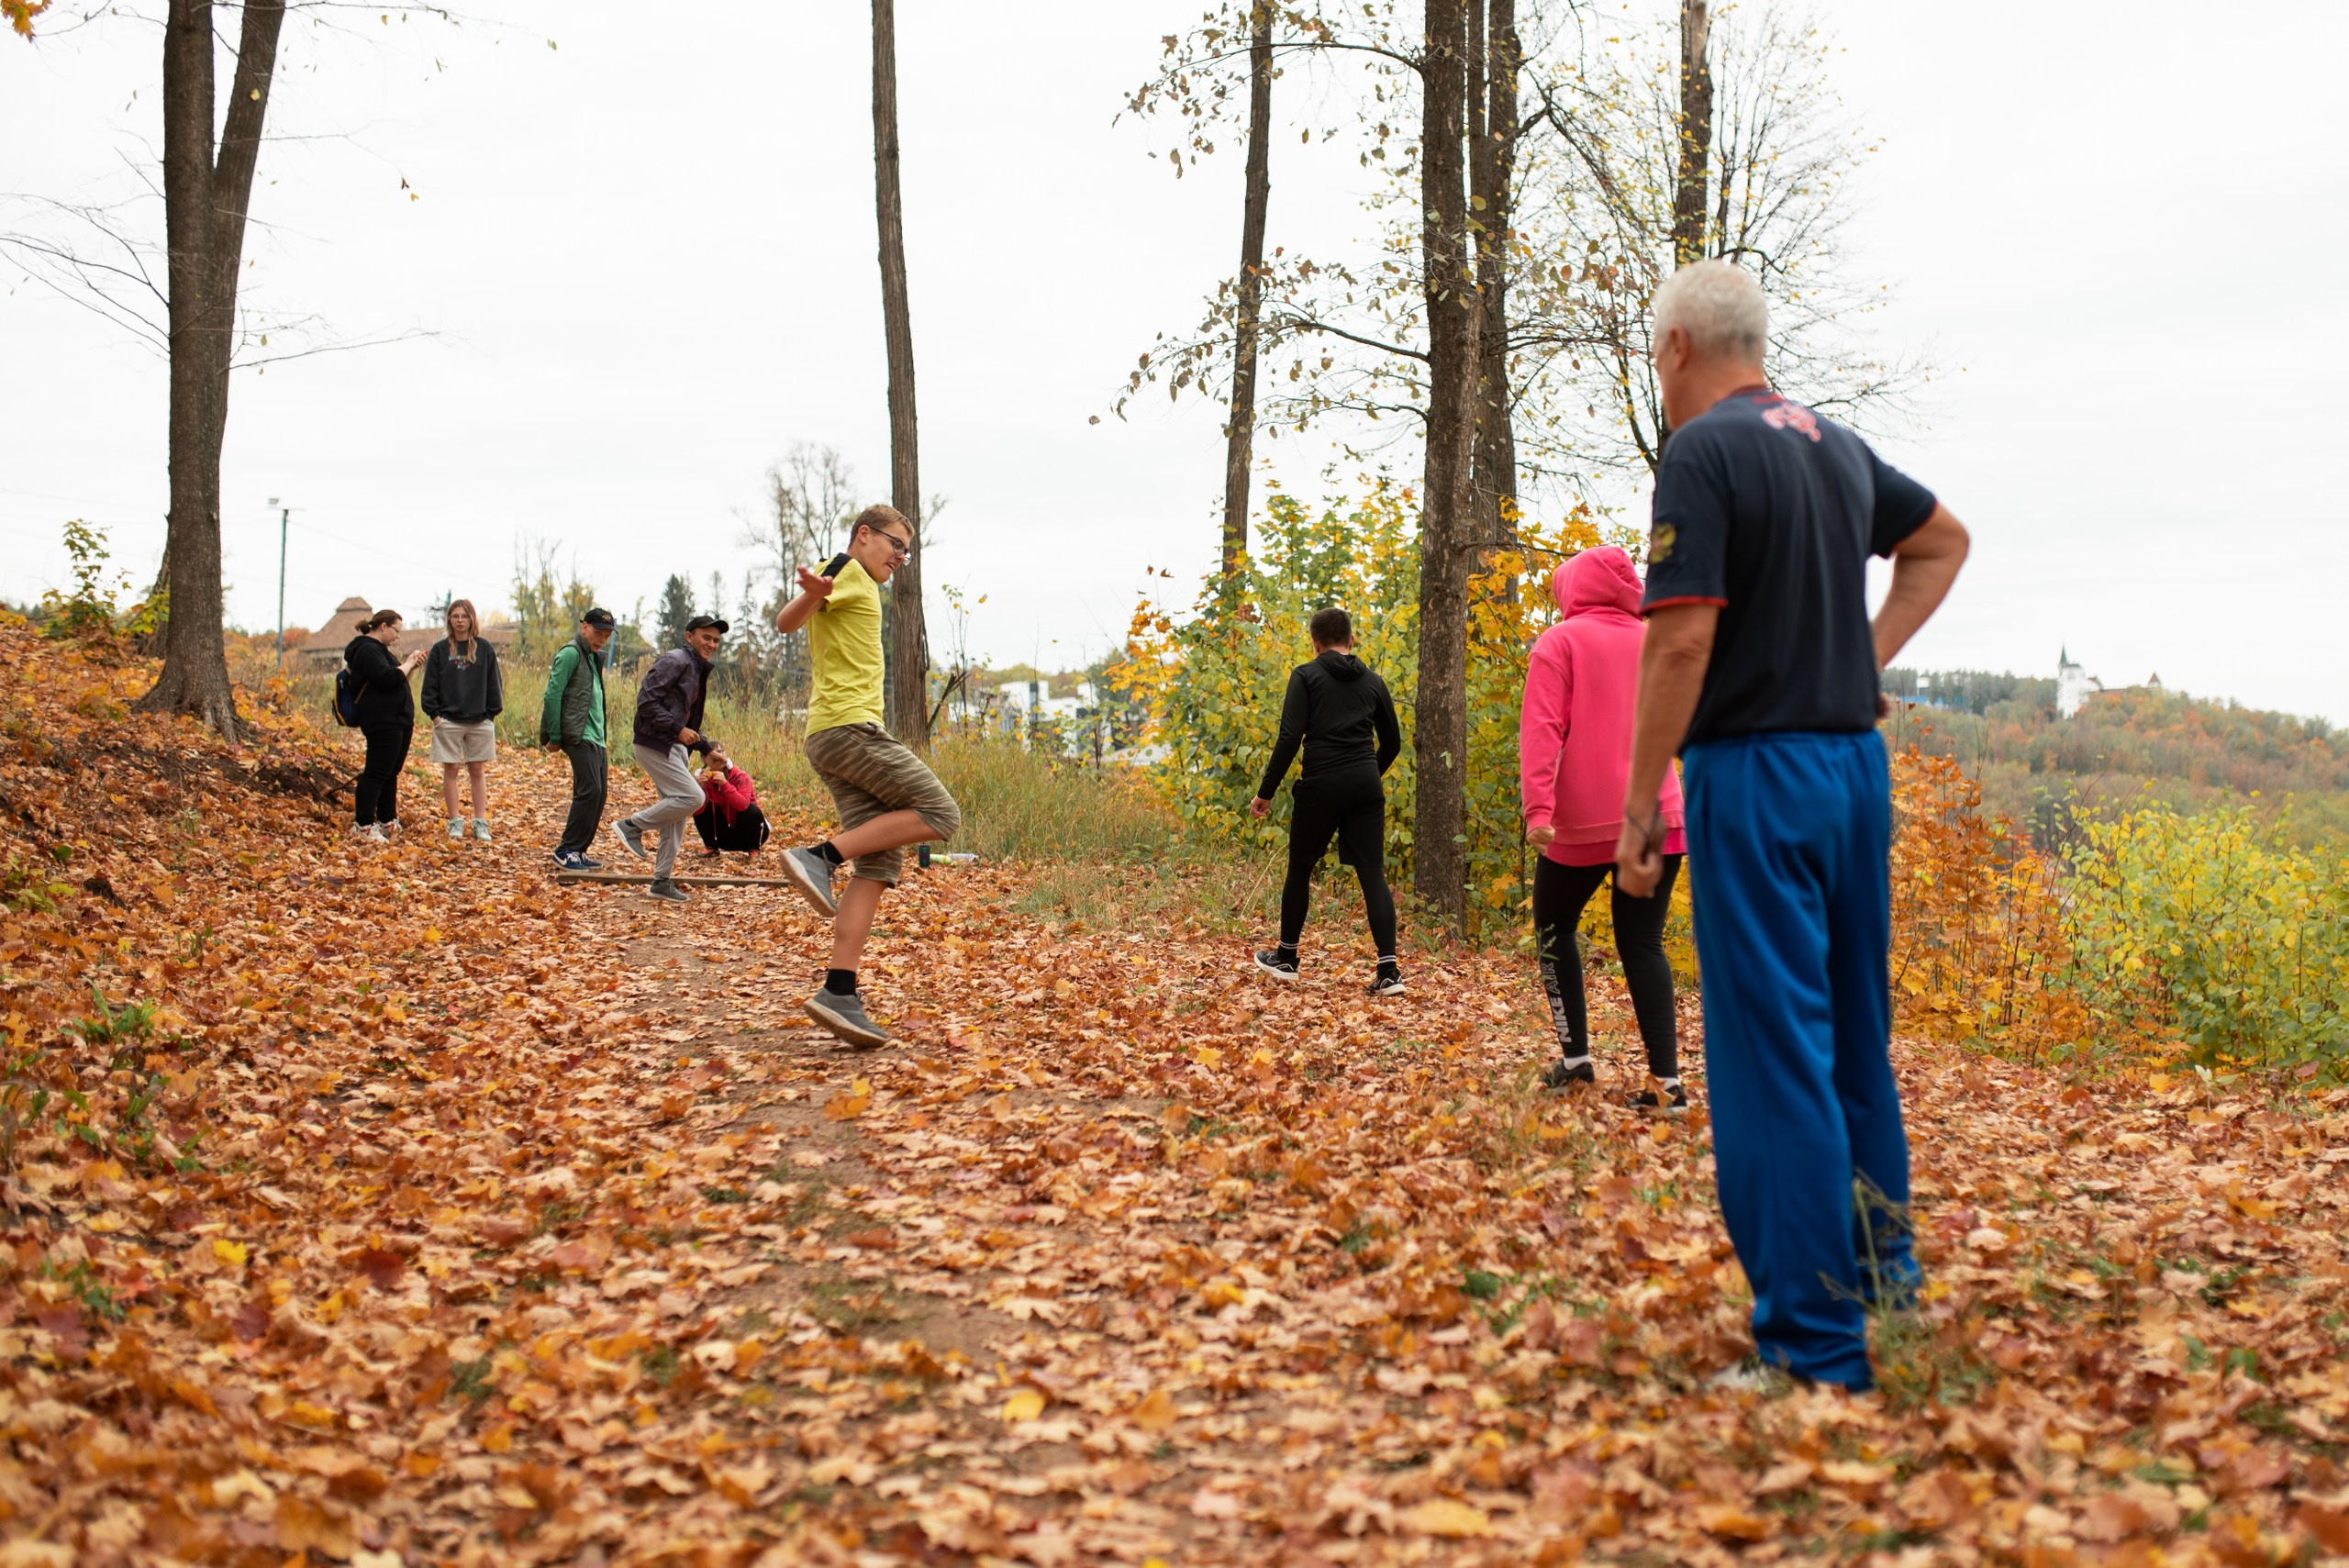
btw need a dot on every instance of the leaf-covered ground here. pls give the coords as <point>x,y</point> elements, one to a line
<point>437,1214</point>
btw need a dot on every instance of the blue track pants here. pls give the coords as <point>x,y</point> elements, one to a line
<point>1788,842</point>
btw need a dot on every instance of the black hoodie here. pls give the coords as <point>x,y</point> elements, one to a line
<point>1335,706</point>
<point>383,697</point>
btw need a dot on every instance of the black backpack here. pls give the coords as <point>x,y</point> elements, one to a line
<point>348,690</point>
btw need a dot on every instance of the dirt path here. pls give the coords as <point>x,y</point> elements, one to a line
<point>535,1224</point>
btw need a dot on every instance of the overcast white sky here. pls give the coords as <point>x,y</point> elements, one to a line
<point>648,258</point>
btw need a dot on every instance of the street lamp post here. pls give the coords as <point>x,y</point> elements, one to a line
<point>284,515</point>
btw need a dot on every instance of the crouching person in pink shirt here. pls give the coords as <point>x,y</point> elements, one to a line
<point>730,818</point>
<point>1573,758</point>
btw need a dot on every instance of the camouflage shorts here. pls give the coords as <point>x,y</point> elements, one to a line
<point>871,773</point>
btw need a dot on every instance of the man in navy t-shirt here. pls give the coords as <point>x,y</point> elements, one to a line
<point>1760,667</point>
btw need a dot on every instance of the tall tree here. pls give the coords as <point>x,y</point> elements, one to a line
<point>676,609</point>
<point>1715,133</point>
<point>205,199</point>
<point>1436,383</point>
<point>1239,431</point>
<point>908,631</point>
<point>1492,170</point>
<point>1448,283</point>
<point>1695,134</point>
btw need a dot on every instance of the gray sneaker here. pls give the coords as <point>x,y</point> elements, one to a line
<point>811,873</point>
<point>669,891</point>
<point>846,1016</point>
<point>633,837</point>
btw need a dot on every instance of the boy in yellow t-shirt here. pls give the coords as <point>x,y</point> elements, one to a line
<point>888,797</point>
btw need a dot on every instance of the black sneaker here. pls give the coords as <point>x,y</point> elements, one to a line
<point>1387,982</point>
<point>633,837</point>
<point>1671,1103</point>
<point>1562,1076</point>
<point>1277,964</point>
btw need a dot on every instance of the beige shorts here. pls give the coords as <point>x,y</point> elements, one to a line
<point>453,743</point>
<point>872,773</point>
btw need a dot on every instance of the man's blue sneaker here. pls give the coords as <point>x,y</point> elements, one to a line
<point>571,859</point>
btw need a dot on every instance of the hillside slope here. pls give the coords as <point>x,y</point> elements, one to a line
<point>2128,747</point>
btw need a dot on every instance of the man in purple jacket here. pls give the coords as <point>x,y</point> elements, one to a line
<point>668,732</point>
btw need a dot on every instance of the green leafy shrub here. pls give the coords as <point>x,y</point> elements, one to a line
<point>1214,681</point>
<point>2215,930</point>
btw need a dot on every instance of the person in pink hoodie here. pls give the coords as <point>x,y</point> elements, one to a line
<point>1574,749</point>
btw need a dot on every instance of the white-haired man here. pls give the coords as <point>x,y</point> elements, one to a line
<point>1760,667</point>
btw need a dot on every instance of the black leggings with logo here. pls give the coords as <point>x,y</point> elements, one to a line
<point>379,782</point>
<point>1559,891</point>
<point>1351,807</point>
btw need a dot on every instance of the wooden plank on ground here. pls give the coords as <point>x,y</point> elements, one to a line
<point>683,879</point>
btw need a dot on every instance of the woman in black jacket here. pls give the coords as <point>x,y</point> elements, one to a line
<point>387,713</point>
<point>1339,711</point>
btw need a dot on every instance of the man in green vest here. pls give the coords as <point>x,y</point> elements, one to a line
<point>572,722</point>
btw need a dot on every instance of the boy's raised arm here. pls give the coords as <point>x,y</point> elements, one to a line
<point>813,589</point>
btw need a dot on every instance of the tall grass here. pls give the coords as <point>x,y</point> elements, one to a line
<point>1106,849</point>
<point>1017,804</point>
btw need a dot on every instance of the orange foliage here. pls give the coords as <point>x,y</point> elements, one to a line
<point>1976,927</point>
<point>20,14</point>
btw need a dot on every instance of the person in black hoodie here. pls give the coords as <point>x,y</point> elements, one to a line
<point>1339,709</point>
<point>463,693</point>
<point>387,714</point>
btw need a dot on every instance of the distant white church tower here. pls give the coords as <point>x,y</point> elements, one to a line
<point>2072,685</point>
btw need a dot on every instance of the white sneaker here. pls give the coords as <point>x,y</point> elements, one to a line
<point>1756,1377</point>
<point>456,828</point>
<point>389,828</point>
<point>481,828</point>
<point>371,834</point>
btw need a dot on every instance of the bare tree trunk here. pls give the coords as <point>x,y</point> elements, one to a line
<point>204,203</point>
<point>1492,162</point>
<point>1696,135</point>
<point>1239,433</point>
<point>1441,738</point>
<point>908,631</point>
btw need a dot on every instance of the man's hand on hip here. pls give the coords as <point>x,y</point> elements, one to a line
<point>1638,866</point>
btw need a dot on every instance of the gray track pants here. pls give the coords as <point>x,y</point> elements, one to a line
<point>672,773</point>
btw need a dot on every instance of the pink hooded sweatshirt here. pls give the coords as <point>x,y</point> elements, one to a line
<point>1573,739</point>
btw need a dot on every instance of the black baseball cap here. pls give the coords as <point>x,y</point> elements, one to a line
<point>600,618</point>
<point>700,621</point>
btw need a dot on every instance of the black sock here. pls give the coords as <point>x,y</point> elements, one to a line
<point>830,853</point>
<point>1287,952</point>
<point>840,981</point>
